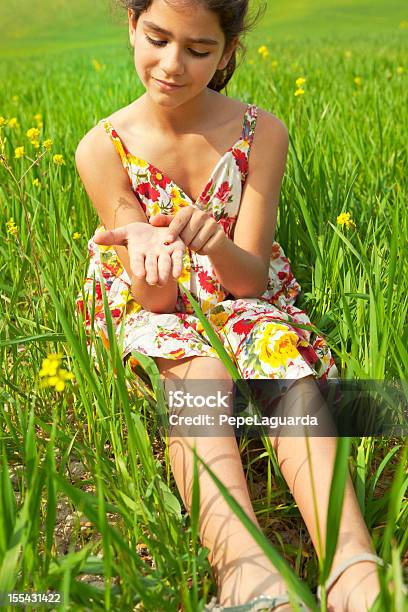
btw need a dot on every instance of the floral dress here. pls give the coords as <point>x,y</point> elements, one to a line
<point>257,333</point>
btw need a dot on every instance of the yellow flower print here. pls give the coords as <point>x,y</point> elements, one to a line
<point>177,199</point>
<point>186,270</point>
<point>219,319</point>
<point>277,352</point>
<point>206,305</point>
<point>137,161</point>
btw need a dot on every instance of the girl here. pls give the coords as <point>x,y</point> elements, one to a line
<point>197,205</point>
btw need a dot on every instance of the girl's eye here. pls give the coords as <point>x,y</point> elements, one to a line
<point>161,43</point>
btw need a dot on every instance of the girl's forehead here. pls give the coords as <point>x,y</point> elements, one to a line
<point>188,15</point>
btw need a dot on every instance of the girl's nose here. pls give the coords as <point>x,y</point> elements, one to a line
<point>172,62</point>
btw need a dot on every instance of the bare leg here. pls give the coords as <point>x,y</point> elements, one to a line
<point>358,587</point>
<point>241,568</point>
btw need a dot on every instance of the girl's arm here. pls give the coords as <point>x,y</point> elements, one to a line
<point>108,188</point>
<point>254,231</point>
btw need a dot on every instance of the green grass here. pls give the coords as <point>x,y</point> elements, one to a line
<point>41,27</point>
<point>348,153</point>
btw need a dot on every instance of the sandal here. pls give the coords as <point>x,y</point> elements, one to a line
<point>346,564</point>
<point>261,603</point>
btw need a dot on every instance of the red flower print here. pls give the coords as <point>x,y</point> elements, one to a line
<point>80,305</point>
<point>146,190</point>
<point>226,224</point>
<point>275,250</point>
<point>180,352</point>
<point>243,327</point>
<point>281,275</point>
<point>223,192</point>
<point>205,197</point>
<point>206,282</point>
<point>308,354</point>
<point>241,160</point>
<point>159,179</point>
<point>116,312</point>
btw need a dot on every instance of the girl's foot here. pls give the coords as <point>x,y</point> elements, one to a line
<point>242,585</point>
<point>356,588</point>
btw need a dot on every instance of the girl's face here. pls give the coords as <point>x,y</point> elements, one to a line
<point>179,45</point>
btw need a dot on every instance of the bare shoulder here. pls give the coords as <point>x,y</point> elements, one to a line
<point>96,156</point>
<point>94,143</point>
<point>271,135</point>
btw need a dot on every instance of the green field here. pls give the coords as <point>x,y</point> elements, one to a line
<point>88,503</point>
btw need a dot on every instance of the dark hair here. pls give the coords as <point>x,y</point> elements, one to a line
<point>232,15</point>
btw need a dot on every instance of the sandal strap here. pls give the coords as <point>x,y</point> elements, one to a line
<point>346,564</point>
<point>261,602</point>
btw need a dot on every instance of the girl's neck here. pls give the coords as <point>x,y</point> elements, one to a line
<point>191,117</point>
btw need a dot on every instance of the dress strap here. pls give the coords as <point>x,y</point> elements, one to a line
<point>117,143</point>
<point>248,129</point>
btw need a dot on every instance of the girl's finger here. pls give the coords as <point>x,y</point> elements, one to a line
<point>151,269</point>
<point>137,264</point>
<point>177,261</point>
<point>203,236</point>
<point>164,267</point>
<point>161,220</point>
<point>114,237</point>
<point>179,222</point>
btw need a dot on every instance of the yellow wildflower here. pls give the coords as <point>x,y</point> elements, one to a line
<point>56,376</point>
<point>299,82</point>
<point>3,121</point>
<point>35,143</point>
<point>19,152</point>
<point>50,365</point>
<point>36,182</point>
<point>274,64</point>
<point>263,50</point>
<point>58,160</point>
<point>38,119</point>
<point>357,81</point>
<point>33,133</point>
<point>299,92</point>
<point>76,235</point>
<point>347,54</point>
<point>15,99</point>
<point>12,227</point>
<point>96,65</point>
<point>13,122</point>
<point>400,70</point>
<point>345,219</point>
<point>47,144</point>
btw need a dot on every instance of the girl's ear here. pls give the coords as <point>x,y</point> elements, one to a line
<point>224,61</point>
<point>132,27</point>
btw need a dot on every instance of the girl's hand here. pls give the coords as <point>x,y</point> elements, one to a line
<point>149,257</point>
<point>197,229</point>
